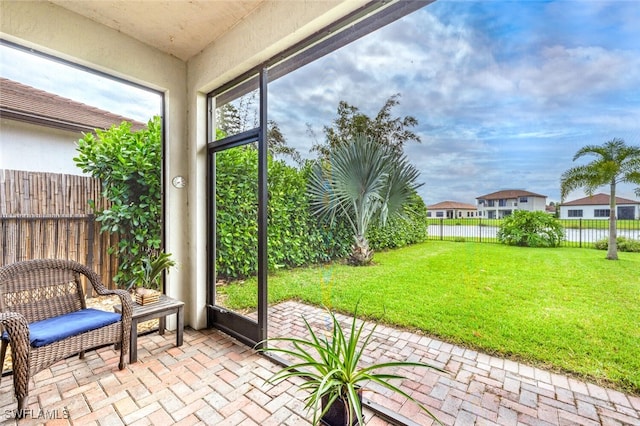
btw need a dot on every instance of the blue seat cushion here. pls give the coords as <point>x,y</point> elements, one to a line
<point>51,330</point>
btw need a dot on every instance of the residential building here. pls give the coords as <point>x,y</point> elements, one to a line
<point>502,203</point>
<point>39,130</point>
<point>452,210</point>
<point>597,207</point>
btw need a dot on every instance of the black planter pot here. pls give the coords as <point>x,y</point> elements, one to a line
<point>338,414</point>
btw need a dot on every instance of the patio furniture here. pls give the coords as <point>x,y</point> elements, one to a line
<point>160,309</point>
<point>44,317</point>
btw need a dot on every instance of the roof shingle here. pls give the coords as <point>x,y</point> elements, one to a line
<point>598,199</point>
<point>508,194</point>
<point>25,103</point>
<point>451,205</point>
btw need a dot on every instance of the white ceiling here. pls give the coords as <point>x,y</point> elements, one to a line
<point>181,28</point>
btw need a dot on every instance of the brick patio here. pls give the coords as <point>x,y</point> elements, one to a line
<point>214,380</point>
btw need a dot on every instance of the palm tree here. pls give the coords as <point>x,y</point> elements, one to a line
<point>615,163</point>
<point>362,181</point>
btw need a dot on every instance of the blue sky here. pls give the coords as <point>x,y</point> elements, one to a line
<point>505,92</point>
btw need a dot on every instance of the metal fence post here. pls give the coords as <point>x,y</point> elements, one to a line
<point>580,233</point>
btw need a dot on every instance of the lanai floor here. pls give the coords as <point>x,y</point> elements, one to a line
<point>214,380</point>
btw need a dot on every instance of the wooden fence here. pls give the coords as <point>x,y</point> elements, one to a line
<point>47,215</point>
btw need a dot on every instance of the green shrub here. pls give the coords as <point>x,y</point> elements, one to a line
<point>129,166</point>
<point>624,244</point>
<point>403,231</point>
<point>295,237</point>
<point>531,229</point>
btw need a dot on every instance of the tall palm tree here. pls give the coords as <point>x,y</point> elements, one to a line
<point>362,181</point>
<point>615,163</point>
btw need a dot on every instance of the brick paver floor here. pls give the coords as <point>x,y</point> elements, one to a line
<point>214,380</point>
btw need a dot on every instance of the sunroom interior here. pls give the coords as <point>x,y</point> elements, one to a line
<point>200,55</point>
<point>186,50</point>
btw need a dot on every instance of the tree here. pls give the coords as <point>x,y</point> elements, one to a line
<point>385,129</point>
<point>615,163</point>
<point>232,119</point>
<point>362,181</point>
<point>129,166</point>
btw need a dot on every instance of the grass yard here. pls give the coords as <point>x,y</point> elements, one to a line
<point>566,309</point>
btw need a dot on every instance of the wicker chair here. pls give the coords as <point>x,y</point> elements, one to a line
<point>49,293</point>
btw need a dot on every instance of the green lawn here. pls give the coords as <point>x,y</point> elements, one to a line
<point>567,309</point>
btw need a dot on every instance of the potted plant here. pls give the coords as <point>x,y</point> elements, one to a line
<point>148,282</point>
<point>333,377</point>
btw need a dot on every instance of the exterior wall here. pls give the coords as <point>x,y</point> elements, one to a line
<point>498,211</point>
<point>452,214</point>
<point>588,211</point>
<point>26,146</point>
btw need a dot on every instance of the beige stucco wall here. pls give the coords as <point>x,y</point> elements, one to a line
<point>272,28</point>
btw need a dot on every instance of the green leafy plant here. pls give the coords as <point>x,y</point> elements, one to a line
<point>624,244</point>
<point>295,236</point>
<point>530,229</point>
<point>401,231</point>
<point>128,164</point>
<point>331,369</point>
<point>152,269</point>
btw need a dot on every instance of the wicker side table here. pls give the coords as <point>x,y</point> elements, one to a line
<point>165,306</point>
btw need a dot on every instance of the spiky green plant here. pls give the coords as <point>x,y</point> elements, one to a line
<point>362,181</point>
<point>331,368</point>
<point>152,267</point>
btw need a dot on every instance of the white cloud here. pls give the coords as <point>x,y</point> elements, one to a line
<point>79,85</point>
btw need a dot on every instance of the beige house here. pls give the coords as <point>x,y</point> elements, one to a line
<point>452,210</point>
<point>502,203</point>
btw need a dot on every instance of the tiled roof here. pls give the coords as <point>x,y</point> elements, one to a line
<point>25,103</point>
<point>508,194</point>
<point>599,199</point>
<point>451,205</point>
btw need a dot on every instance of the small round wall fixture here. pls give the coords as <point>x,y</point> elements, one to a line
<point>179,182</point>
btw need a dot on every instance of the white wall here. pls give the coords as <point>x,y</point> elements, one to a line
<point>26,146</point>
<point>588,212</point>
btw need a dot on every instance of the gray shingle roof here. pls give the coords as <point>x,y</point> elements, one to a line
<point>25,103</point>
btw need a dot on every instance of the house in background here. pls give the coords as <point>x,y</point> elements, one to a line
<point>502,203</point>
<point>452,210</point>
<point>597,207</point>
<point>39,130</point>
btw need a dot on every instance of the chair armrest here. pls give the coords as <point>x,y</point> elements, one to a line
<point>17,327</point>
<point>125,301</point>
